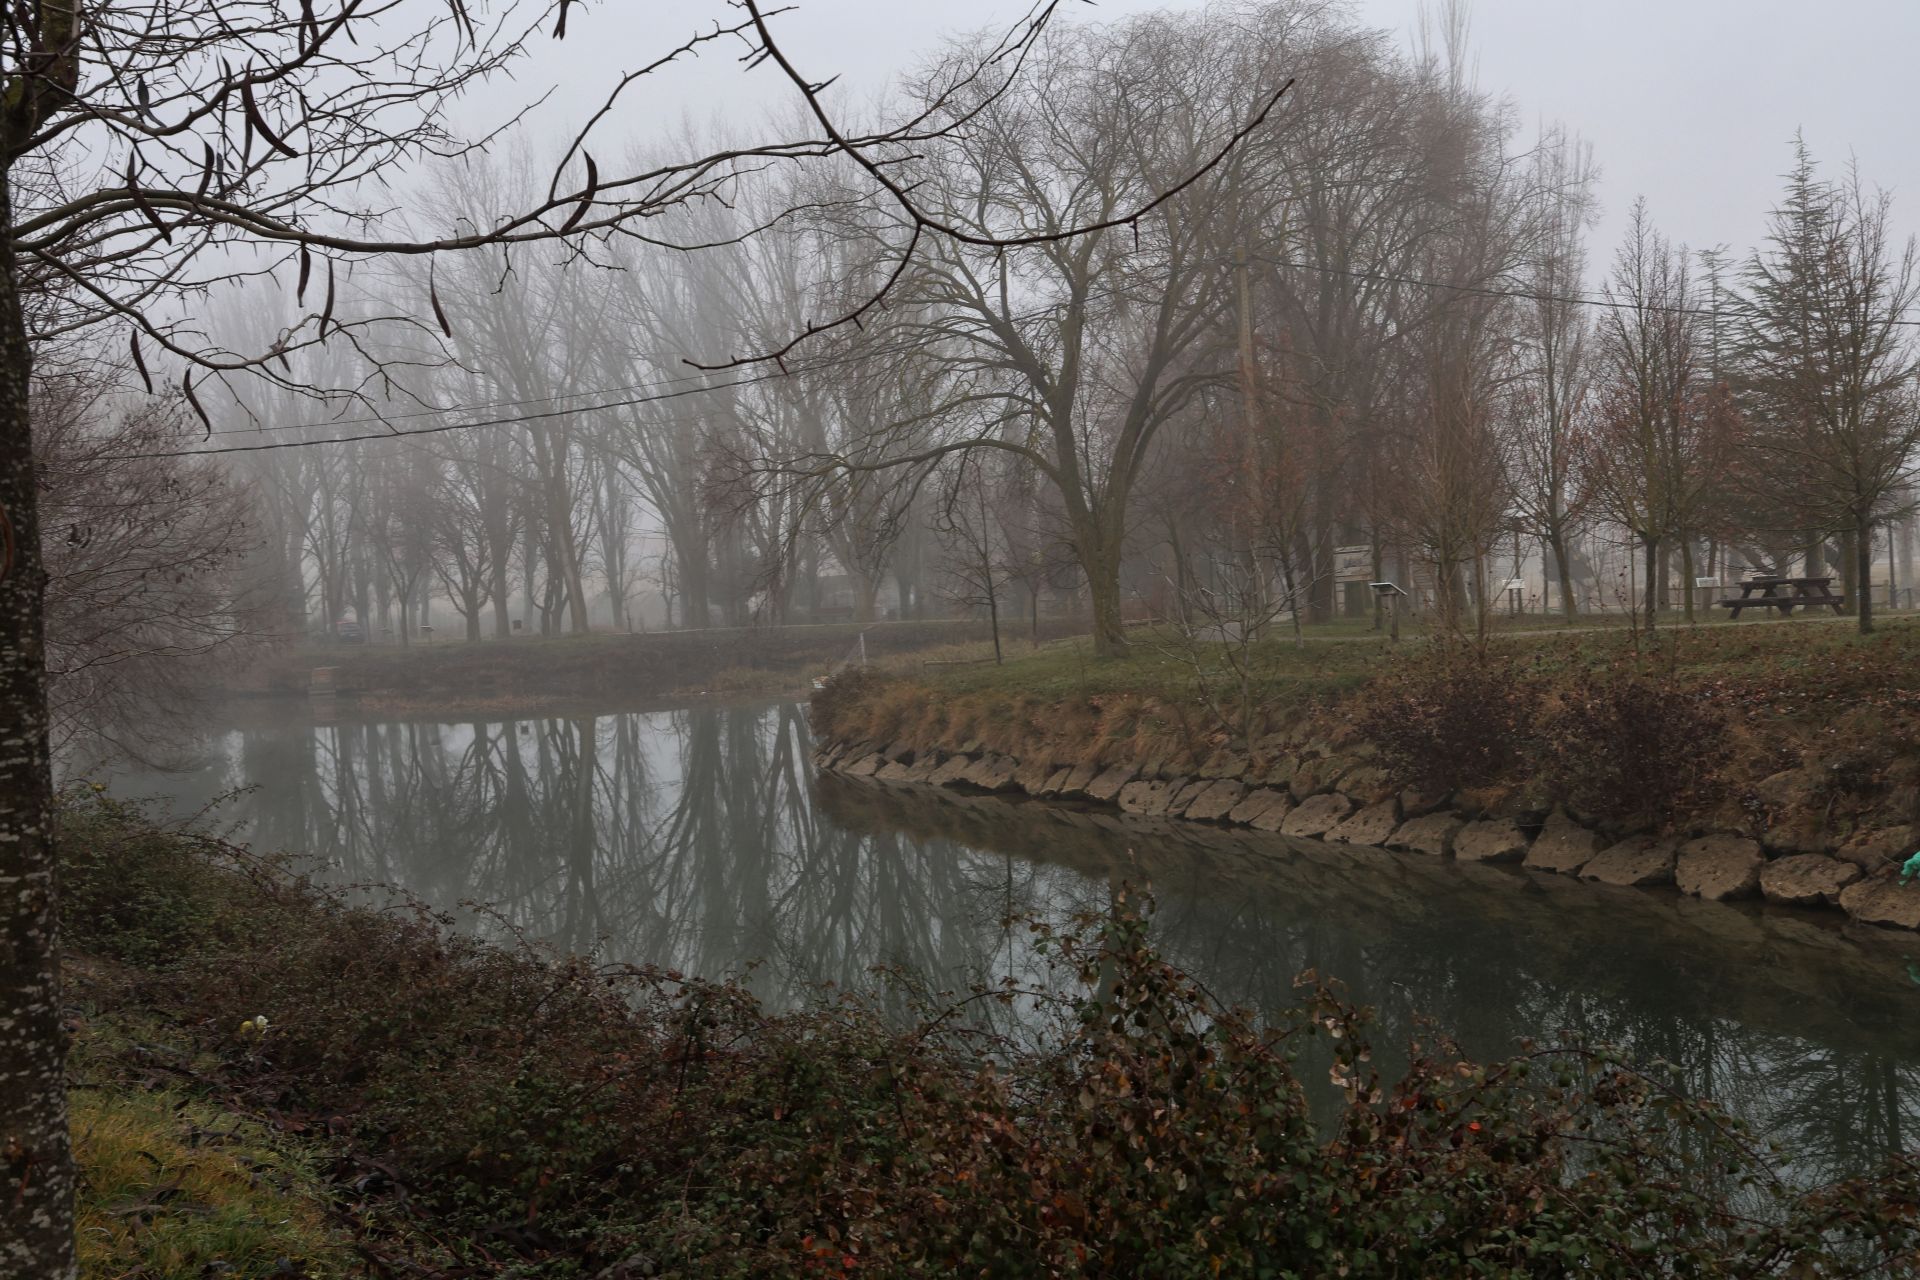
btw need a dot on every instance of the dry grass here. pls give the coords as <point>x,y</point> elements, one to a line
<point>1791,693</point>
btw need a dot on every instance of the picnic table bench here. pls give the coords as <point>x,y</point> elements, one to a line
<point>1785,594</point>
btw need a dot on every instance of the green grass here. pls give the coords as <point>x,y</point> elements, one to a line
<point>1159,664</point>
<point>172,1184</point>
<point>174,1187</point>
<point>1341,655</point>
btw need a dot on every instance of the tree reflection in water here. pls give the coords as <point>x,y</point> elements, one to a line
<point>698,840</point>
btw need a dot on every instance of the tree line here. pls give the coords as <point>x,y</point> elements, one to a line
<point>1379,324</point>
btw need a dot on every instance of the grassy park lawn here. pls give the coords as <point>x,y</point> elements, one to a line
<point>1341,655</point>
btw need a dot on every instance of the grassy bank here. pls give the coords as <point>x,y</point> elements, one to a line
<point>1687,732</point>
<point>423,1104</point>
<point>601,669</point>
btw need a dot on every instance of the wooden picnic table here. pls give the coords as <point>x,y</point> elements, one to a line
<point>1785,594</point>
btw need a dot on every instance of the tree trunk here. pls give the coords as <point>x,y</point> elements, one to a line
<point>993,617</point>
<point>1320,586</point>
<point>1562,564</point>
<point>529,574</point>
<point>1853,581</point>
<point>690,560</point>
<point>906,585</point>
<point>1686,574</point>
<point>500,549</point>
<point>1903,540</point>
<point>1651,593</point>
<point>36,1163</point>
<point>1180,587</point>
<point>1103,593</point>
<point>1379,567</point>
<point>1862,546</point>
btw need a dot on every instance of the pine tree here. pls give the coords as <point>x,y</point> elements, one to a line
<point>1825,364</point>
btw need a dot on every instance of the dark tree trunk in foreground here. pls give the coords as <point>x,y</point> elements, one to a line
<point>36,1166</point>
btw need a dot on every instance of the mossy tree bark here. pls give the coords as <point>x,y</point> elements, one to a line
<point>36,1164</point>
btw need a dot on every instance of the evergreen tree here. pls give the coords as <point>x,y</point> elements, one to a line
<point>1826,367</point>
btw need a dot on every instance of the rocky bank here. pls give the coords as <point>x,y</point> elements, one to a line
<point>1307,789</point>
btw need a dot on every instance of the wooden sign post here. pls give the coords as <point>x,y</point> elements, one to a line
<point>1390,595</point>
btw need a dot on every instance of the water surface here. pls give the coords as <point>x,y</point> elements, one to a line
<point>699,839</point>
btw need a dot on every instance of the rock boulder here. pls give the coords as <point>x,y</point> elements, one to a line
<point>1216,801</point>
<point>1884,847</point>
<point>1274,816</point>
<point>1315,775</point>
<point>1432,835</point>
<point>1883,901</point>
<point>1078,779</point>
<point>1372,825</point>
<point>1633,863</point>
<point>1563,845</point>
<point>951,769</point>
<point>1719,868</point>
<point>1056,782</point>
<point>1031,777</point>
<point>1147,797</point>
<point>992,772</point>
<point>1493,840</point>
<point>1791,789</point>
<point>1797,833</point>
<point>866,766</point>
<point>1107,785</point>
<point>1807,880</point>
<point>1227,763</point>
<point>1368,785</point>
<point>1255,803</point>
<point>1185,794</point>
<point>1317,815</point>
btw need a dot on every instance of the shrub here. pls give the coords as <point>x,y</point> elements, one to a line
<point>1451,715</point>
<point>136,892</point>
<point>839,703</point>
<point>1631,745</point>
<point>500,1112</point>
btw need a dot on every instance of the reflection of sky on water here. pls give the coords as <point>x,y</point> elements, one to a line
<point>697,840</point>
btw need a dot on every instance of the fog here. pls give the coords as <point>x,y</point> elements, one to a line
<point>1206,314</point>
<point>1689,104</point>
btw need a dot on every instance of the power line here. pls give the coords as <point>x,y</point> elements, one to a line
<point>273,445</point>
<point>702,385</point>
<point>1529,295</point>
<point>814,367</point>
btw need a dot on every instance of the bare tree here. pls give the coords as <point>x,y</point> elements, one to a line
<point>144,561</point>
<point>152,151</point>
<point>1072,354</point>
<point>1663,428</point>
<point>1547,398</point>
<point>971,532</point>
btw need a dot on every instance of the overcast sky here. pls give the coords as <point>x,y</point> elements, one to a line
<point>1691,103</point>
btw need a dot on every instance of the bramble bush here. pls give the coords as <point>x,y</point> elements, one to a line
<point>1451,714</point>
<point>1628,743</point>
<point>492,1110</point>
